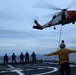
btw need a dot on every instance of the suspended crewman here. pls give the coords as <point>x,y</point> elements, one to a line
<point>63,55</point>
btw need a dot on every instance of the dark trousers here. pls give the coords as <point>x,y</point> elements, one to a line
<point>21,60</point>
<point>27,60</point>
<point>65,68</point>
<point>5,61</point>
<point>34,60</point>
<point>13,60</point>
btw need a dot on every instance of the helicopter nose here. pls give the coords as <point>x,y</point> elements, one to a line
<point>35,21</point>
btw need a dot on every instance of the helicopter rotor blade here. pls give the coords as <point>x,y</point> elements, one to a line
<point>45,5</point>
<point>50,15</point>
<point>72,4</point>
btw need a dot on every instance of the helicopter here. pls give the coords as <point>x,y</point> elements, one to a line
<point>63,17</point>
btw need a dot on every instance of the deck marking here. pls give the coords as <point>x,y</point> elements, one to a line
<point>40,68</point>
<point>29,69</point>
<point>18,71</point>
<point>4,71</point>
<point>15,70</point>
<point>55,69</point>
<point>72,65</point>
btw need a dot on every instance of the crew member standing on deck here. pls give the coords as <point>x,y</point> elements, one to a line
<point>27,57</point>
<point>63,58</point>
<point>33,55</point>
<point>6,59</point>
<point>21,57</point>
<point>13,58</point>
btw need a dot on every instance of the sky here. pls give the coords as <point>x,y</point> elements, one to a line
<point>16,22</point>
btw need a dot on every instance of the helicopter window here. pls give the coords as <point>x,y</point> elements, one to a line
<point>54,16</point>
<point>73,11</point>
<point>63,15</point>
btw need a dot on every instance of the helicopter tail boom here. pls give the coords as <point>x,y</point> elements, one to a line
<point>38,26</point>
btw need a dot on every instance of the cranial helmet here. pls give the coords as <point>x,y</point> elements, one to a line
<point>62,45</point>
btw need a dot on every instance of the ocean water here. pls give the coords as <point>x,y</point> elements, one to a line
<point>72,58</point>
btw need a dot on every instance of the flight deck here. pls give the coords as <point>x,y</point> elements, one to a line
<point>40,68</point>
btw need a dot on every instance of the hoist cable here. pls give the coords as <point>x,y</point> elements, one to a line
<point>59,40</point>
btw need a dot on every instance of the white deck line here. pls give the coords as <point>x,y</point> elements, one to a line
<point>54,70</point>
<point>15,70</point>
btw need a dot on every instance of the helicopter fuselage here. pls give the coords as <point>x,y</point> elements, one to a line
<point>63,18</point>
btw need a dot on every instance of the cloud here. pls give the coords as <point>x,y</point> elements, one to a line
<point>15,34</point>
<point>6,16</point>
<point>7,45</point>
<point>22,34</point>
